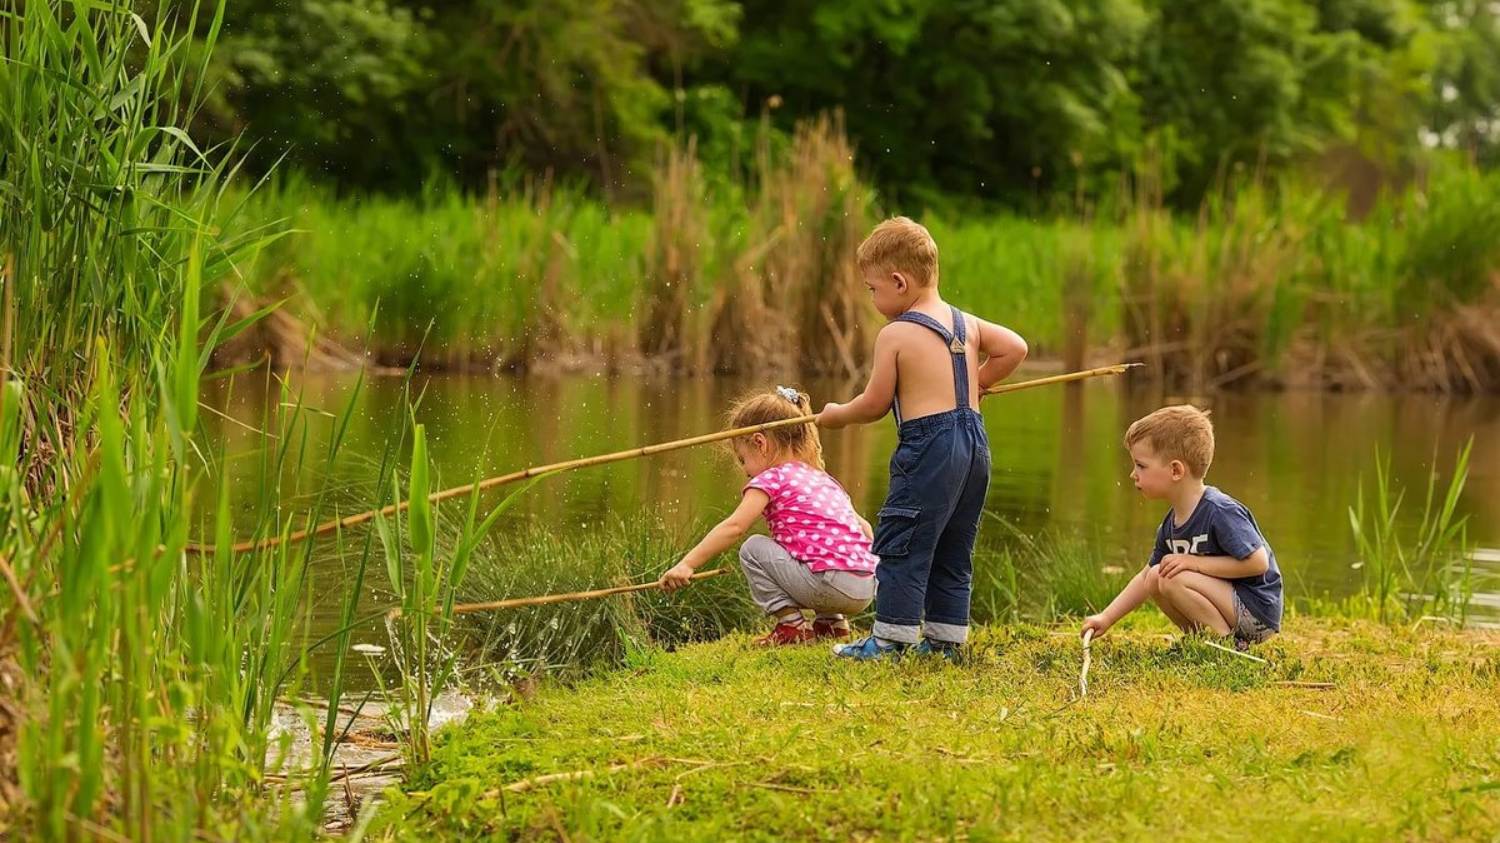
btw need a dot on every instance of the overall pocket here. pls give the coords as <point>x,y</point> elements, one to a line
<point>908,455</point>
<point>893,531</point>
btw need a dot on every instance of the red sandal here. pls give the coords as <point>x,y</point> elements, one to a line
<point>823,628</point>
<point>787,633</point>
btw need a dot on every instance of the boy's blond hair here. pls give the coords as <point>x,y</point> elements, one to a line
<point>903,245</point>
<point>1180,432</point>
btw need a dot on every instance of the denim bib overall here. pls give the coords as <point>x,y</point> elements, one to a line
<point>940,473</point>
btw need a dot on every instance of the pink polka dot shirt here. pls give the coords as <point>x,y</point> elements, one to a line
<point>812,517</point>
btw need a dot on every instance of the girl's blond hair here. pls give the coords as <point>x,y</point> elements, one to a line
<point>799,441</point>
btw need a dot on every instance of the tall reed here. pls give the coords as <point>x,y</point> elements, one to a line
<point>104,194</point>
<point>1420,571</point>
<point>674,258</point>
<point>792,299</point>
<point>1199,298</point>
<point>1269,283</point>
<point>822,210</point>
<point>426,581</point>
<point>1273,283</point>
<point>522,274</point>
<point>145,685</point>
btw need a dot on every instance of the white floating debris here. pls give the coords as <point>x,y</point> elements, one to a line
<point>369,649</point>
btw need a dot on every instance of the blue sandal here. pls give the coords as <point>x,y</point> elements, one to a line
<point>870,649</point>
<point>948,650</point>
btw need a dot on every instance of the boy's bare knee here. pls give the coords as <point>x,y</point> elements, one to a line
<point>1170,592</point>
<point>1170,586</point>
<point>1153,582</point>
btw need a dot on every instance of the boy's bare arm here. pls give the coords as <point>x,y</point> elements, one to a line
<point>1128,600</point>
<point>875,401</point>
<point>1004,350</point>
<point>1223,567</point>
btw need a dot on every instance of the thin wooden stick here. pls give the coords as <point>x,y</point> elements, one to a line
<point>1116,369</point>
<point>785,788</point>
<point>347,772</point>
<point>603,459</point>
<point>571,597</point>
<point>527,784</point>
<point>1083,675</point>
<point>1233,652</point>
<point>513,477</point>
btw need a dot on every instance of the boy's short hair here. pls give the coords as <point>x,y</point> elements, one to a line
<point>1180,432</point>
<point>903,245</point>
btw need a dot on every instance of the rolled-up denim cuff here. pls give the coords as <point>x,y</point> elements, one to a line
<point>948,633</point>
<point>901,633</point>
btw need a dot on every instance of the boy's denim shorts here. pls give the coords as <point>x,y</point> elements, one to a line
<point>1247,627</point>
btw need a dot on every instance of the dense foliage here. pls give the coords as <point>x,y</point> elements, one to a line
<point>1005,100</point>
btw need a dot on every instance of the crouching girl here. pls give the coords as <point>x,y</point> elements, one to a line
<point>817,558</point>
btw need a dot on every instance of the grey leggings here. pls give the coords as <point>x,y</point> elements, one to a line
<point>779,581</point>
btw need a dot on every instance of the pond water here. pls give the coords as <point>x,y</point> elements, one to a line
<point>1296,459</point>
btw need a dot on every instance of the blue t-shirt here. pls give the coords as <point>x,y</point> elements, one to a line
<point>1222,526</point>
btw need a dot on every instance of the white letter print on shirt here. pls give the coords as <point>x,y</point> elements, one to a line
<point>1182,546</point>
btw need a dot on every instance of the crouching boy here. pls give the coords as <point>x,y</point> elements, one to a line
<point>1211,569</point>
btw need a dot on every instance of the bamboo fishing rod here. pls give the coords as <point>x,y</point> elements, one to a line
<point>603,459</point>
<point>570,597</point>
<point>1116,369</point>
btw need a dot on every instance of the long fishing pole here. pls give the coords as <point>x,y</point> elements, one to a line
<point>603,459</point>
<point>570,597</point>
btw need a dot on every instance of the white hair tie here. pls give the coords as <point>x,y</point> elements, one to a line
<point>790,394</point>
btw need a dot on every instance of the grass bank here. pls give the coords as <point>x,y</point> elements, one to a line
<point>1039,579</point>
<point>1350,731</point>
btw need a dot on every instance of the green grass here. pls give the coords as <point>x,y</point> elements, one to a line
<point>488,275</point>
<point>1266,284</point>
<point>1173,742</point>
<point>1426,574</point>
<point>142,678</point>
<point>1035,578</point>
<point>572,639</point>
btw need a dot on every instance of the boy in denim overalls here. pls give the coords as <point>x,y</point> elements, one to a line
<point>925,368</point>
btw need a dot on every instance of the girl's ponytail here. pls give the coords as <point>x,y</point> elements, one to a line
<point>814,455</point>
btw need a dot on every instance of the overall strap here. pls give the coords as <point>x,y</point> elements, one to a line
<point>955,340</point>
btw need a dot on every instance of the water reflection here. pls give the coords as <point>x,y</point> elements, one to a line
<point>1295,459</point>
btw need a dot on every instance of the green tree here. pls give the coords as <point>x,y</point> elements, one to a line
<point>1016,101</point>
<point>968,97</point>
<point>382,92</point>
<point>336,82</point>
<point>1238,81</point>
<point>1465,96</point>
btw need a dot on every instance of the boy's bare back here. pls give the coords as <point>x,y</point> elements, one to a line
<point>922,367</point>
